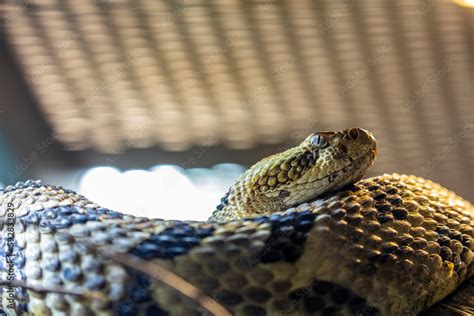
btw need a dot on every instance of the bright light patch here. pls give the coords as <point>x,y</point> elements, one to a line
<point>465,3</point>
<point>99,184</point>
<point>164,191</point>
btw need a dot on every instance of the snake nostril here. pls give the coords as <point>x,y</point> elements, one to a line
<point>353,133</point>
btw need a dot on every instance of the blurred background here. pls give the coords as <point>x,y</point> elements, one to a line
<point>156,107</point>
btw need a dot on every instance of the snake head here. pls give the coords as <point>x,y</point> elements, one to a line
<point>338,150</point>
<point>323,162</point>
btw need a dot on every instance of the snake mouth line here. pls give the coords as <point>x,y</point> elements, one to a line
<point>353,162</point>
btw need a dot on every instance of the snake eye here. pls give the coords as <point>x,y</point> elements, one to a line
<point>319,141</point>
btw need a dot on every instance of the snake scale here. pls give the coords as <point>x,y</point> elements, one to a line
<point>299,233</point>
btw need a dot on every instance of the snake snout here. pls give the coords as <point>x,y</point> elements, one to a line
<point>357,141</point>
<point>370,140</point>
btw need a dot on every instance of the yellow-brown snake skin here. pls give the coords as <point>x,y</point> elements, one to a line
<point>298,234</point>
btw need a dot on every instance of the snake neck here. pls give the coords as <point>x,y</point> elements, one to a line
<point>226,210</point>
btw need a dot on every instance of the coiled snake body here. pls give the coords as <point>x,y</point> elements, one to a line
<point>298,233</point>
